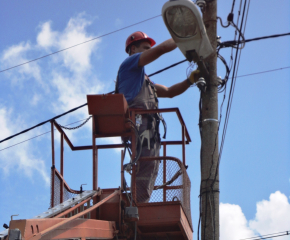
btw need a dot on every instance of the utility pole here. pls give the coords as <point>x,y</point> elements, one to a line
<point>209,192</point>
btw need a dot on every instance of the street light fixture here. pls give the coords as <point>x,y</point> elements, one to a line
<point>184,22</point>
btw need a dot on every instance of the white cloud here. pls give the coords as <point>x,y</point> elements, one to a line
<point>16,54</point>
<point>76,59</point>
<point>46,37</point>
<point>233,223</point>
<point>35,99</point>
<point>71,77</point>
<point>21,159</point>
<point>112,140</point>
<point>272,216</point>
<point>67,76</point>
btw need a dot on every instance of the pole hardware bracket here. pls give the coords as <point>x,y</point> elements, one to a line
<point>220,81</point>
<point>201,4</point>
<point>210,119</point>
<point>201,84</point>
<point>191,55</point>
<point>218,40</point>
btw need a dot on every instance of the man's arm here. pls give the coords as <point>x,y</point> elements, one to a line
<point>178,88</point>
<point>174,90</point>
<point>153,53</point>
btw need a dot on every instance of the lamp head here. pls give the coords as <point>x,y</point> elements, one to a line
<point>184,23</point>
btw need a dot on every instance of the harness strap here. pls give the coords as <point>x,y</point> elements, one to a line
<point>160,118</point>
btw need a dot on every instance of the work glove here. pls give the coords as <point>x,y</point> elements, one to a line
<point>194,76</point>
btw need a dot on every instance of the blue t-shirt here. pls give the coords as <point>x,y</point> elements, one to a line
<point>130,77</point>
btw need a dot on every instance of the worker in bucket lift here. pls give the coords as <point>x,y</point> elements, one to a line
<point>141,92</point>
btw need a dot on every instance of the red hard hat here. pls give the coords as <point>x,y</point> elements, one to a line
<point>136,36</point>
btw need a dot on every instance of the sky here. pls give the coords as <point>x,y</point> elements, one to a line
<point>255,164</point>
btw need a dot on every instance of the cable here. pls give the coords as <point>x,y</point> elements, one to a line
<point>38,136</point>
<point>231,43</point>
<point>240,33</point>
<point>173,65</point>
<point>221,87</point>
<point>135,231</point>
<point>272,235</point>
<point>74,109</point>
<point>233,5</point>
<point>232,88</point>
<point>224,26</point>
<point>78,44</point>
<point>245,75</point>
<point>200,188</point>
<point>225,125</point>
<point>42,123</point>
<point>273,70</point>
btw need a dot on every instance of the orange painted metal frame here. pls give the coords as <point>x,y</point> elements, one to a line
<point>67,220</point>
<point>186,229</point>
<point>79,228</point>
<point>185,140</point>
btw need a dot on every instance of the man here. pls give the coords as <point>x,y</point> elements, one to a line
<point>141,92</point>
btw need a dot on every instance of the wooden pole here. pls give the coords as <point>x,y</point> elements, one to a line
<point>209,191</point>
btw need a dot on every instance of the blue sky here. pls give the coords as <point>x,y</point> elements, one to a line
<point>254,170</point>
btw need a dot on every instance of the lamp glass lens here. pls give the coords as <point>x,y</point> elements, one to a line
<point>181,21</point>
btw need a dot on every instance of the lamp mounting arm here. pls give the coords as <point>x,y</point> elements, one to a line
<point>191,55</point>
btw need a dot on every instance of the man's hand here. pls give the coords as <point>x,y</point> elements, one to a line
<point>194,76</point>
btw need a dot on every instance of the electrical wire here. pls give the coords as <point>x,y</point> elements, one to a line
<point>78,44</point>
<point>74,109</point>
<point>272,70</point>
<point>38,135</point>
<point>245,75</point>
<point>226,121</point>
<point>232,89</point>
<point>271,235</point>
<point>200,188</point>
<point>42,123</point>
<point>241,34</point>
<point>173,65</point>
<point>221,22</point>
<point>233,5</point>
<point>231,43</point>
<point>222,86</point>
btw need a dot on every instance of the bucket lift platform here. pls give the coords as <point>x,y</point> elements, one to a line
<point>115,213</point>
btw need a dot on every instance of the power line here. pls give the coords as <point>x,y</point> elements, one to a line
<point>231,43</point>
<point>38,136</point>
<point>232,87</point>
<point>273,70</point>
<point>173,65</point>
<point>78,44</point>
<point>245,75</point>
<point>74,109</point>
<point>272,235</point>
<point>42,123</point>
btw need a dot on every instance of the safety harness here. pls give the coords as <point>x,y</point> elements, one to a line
<point>150,117</point>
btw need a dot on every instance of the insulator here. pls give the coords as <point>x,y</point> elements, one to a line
<point>220,80</point>
<point>201,4</point>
